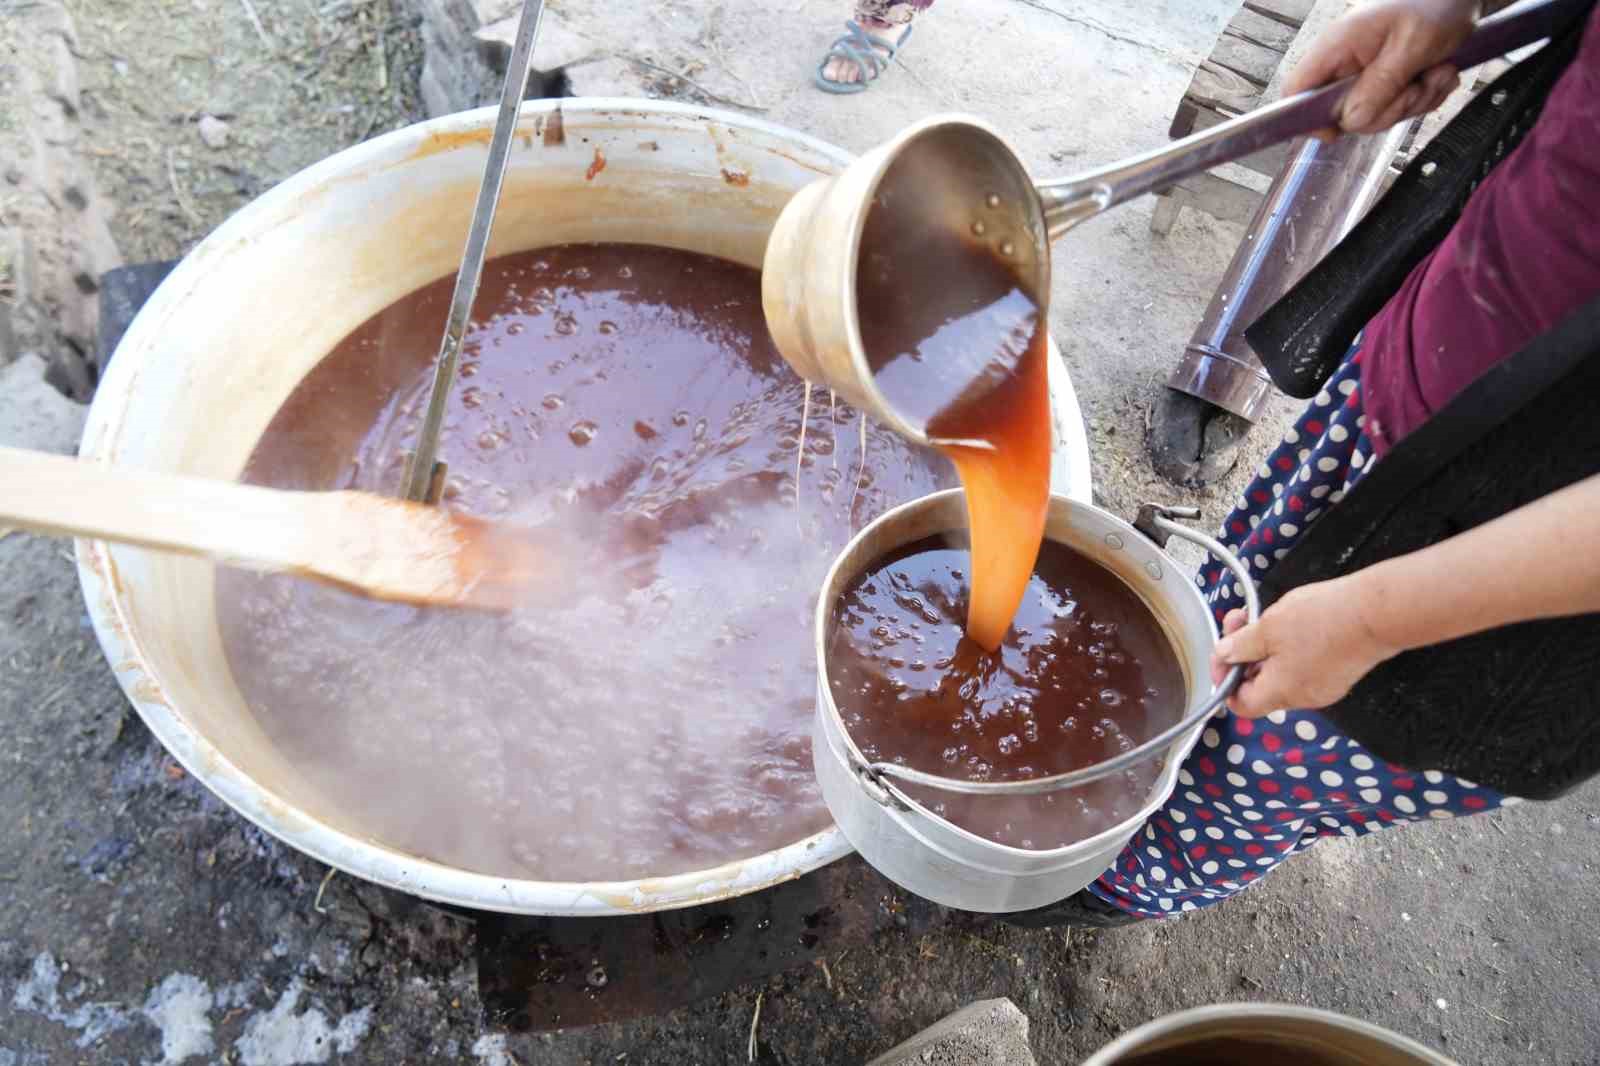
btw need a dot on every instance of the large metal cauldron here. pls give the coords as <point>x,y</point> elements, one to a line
<point>237,325</point>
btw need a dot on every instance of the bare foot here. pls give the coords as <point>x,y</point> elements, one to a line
<point>847,71</point>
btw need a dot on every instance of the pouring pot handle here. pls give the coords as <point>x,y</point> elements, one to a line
<point>1158,523</point>
<point>1068,201</point>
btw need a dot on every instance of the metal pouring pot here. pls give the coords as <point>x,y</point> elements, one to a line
<point>1282,1033</point>
<point>938,860</point>
<point>967,179</point>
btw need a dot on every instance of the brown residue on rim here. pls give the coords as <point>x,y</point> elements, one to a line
<point>144,689</point>
<point>650,146</point>
<point>90,557</point>
<point>735,177</point>
<point>447,140</point>
<point>555,130</point>
<point>598,164</point>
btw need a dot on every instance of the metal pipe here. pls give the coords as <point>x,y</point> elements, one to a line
<point>1322,191</point>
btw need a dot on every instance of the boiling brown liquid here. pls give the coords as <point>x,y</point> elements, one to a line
<point>957,346</point>
<point>1086,673</point>
<point>659,723</point>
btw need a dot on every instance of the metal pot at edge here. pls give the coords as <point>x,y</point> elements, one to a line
<point>1290,1032</point>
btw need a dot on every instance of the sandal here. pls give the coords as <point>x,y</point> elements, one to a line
<point>870,56</point>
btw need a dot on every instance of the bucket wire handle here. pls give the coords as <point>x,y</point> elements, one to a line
<point>1157,522</point>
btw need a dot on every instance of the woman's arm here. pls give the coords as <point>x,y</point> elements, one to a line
<point>1539,561</point>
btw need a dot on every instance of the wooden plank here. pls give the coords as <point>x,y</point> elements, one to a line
<point>1259,29</point>
<point>1169,205</point>
<point>1268,161</point>
<point>1246,69</point>
<point>1319,15</point>
<point>1288,12</point>
<point>1218,88</point>
<point>1219,198</point>
<point>1183,123</point>
<point>1245,58</point>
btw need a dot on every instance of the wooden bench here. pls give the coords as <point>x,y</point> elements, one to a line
<point>1246,69</point>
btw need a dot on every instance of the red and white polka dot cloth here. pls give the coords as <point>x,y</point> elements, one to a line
<point>1254,792</point>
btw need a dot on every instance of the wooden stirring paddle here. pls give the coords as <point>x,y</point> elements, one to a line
<point>384,548</point>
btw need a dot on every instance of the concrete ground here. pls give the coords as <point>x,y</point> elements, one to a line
<point>141,921</point>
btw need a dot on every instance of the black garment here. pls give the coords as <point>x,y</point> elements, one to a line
<point>1516,708</point>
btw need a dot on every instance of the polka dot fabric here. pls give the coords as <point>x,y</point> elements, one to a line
<point>1256,791</point>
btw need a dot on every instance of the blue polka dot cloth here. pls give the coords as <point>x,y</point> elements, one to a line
<point>1255,791</point>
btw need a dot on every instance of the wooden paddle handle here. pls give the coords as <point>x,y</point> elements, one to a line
<point>261,528</point>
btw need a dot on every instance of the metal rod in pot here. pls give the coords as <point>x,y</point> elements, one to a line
<point>424,475</point>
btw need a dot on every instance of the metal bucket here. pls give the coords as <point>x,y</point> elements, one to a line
<point>938,860</point>
<point>251,310</point>
<point>1284,1034</point>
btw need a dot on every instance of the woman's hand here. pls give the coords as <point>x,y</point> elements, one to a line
<point>1307,650</point>
<point>1313,645</point>
<point>1398,48</point>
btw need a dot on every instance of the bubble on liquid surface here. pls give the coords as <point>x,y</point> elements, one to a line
<point>711,761</point>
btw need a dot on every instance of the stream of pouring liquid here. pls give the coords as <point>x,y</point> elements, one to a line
<point>957,344</point>
<point>971,367</point>
<point>1007,486</point>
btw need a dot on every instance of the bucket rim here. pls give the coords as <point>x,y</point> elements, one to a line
<point>871,776</point>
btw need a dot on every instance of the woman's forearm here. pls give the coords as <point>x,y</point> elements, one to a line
<point>1539,561</point>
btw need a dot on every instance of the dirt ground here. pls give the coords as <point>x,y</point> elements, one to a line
<point>143,922</point>
<point>292,80</point>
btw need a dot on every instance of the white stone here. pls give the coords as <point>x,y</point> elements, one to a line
<point>35,415</point>
<point>213,131</point>
<point>990,1032</point>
